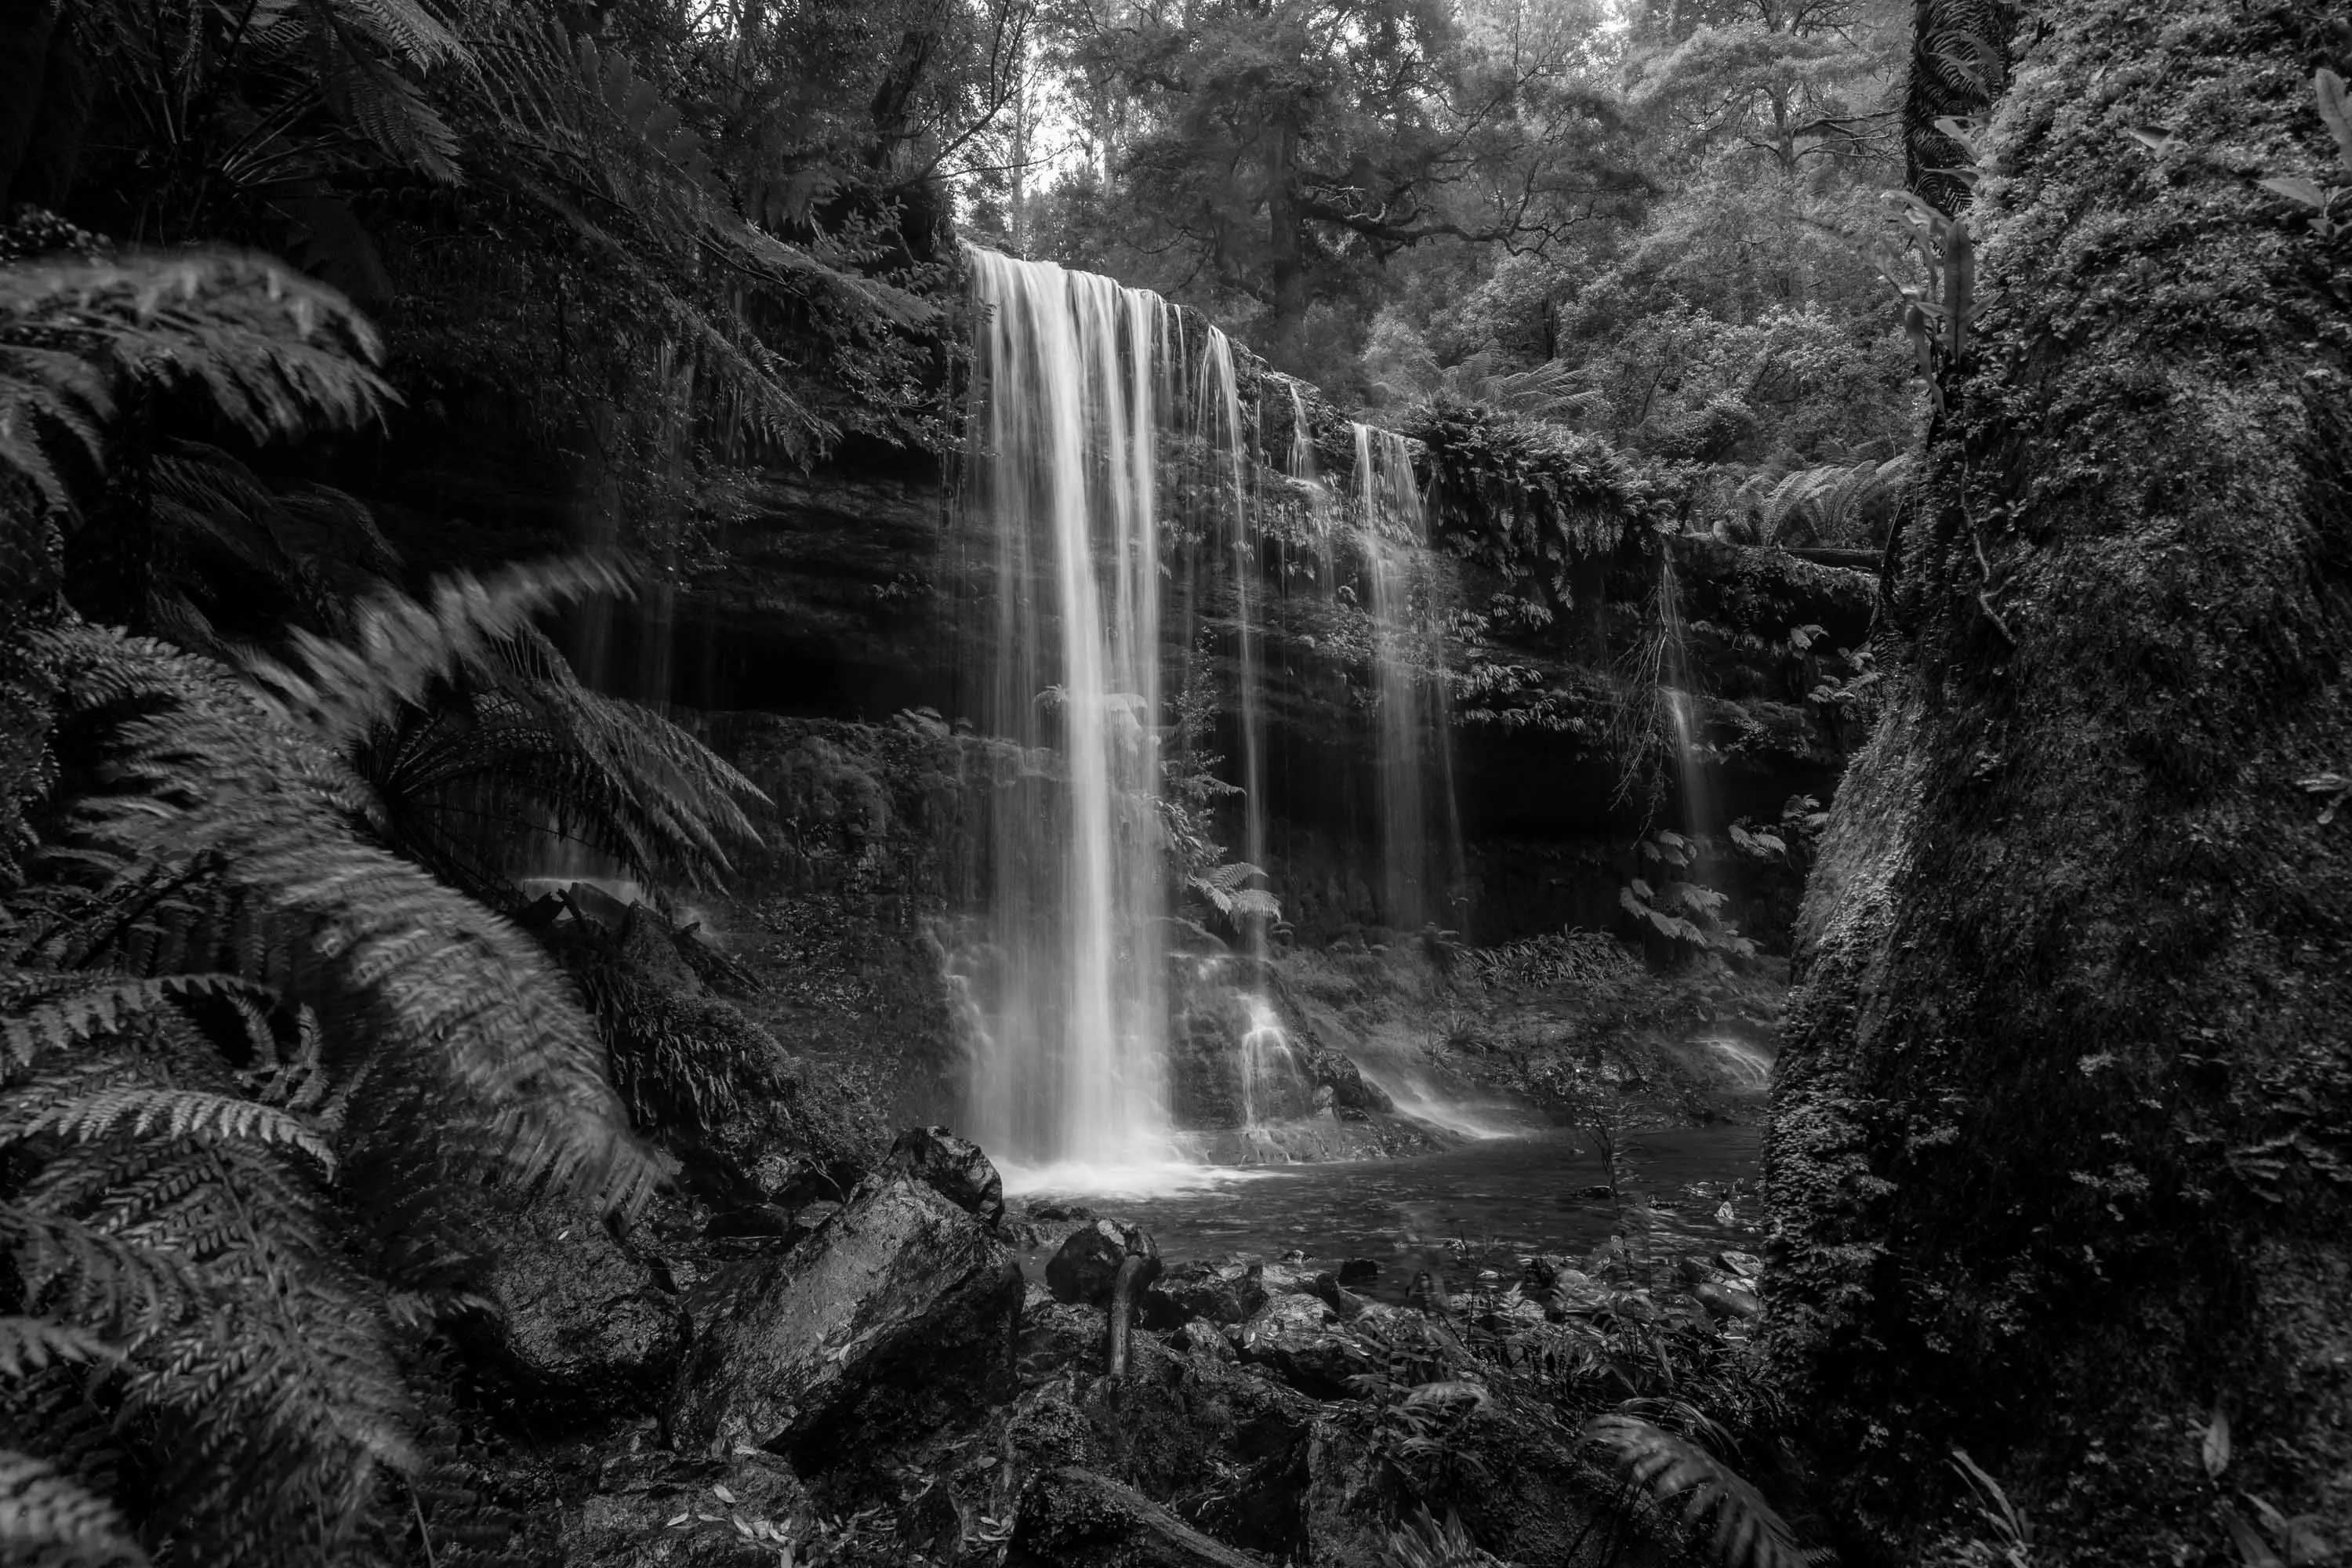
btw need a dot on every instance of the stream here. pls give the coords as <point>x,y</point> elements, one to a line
<point>1481,1206</point>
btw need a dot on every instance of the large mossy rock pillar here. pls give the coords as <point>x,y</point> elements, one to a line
<point>2058,1159</point>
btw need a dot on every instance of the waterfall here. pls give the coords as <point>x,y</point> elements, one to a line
<point>1067,535</point>
<point>1220,420</point>
<point>1681,703</point>
<point>1070,390</point>
<point>1419,836</point>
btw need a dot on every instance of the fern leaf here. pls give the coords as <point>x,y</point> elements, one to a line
<point>339,689</point>
<point>48,1521</point>
<point>498,1065</point>
<point>52,1012</point>
<point>275,353</point>
<point>1747,1533</point>
<point>86,1274</point>
<point>1423,1543</point>
<point>143,1111</point>
<point>29,1344</point>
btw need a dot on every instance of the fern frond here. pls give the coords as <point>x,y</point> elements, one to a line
<point>46,1521</point>
<point>93,1277</point>
<point>1425,1544</point>
<point>1228,875</point>
<point>338,689</point>
<point>274,352</point>
<point>143,1111</point>
<point>29,1344</point>
<point>1747,1533</point>
<point>497,1064</point>
<point>47,1012</point>
<point>406,29</point>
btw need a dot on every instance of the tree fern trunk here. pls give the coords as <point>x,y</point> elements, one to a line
<point>2058,1163</point>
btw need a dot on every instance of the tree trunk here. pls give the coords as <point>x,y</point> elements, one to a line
<point>1286,246</point>
<point>2058,1163</point>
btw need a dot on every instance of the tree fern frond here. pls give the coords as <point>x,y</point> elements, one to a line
<point>143,1111</point>
<point>1747,1533</point>
<point>391,111</point>
<point>1228,874</point>
<point>497,1060</point>
<point>52,1012</point>
<point>277,354</point>
<point>95,1277</point>
<point>337,690</point>
<point>48,1521</point>
<point>29,1344</point>
<point>407,29</point>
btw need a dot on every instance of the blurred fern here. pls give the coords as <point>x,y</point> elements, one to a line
<point>1423,1543</point>
<point>46,1521</point>
<point>1747,1533</point>
<point>475,743</point>
<point>274,354</point>
<point>232,1026</point>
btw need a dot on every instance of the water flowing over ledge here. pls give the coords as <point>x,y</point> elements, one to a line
<point>1109,495</point>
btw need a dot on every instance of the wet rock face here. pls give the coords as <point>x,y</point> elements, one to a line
<point>901,1308</point>
<point>1085,1268</point>
<point>580,1326</point>
<point>1072,1517</point>
<point>1297,1338</point>
<point>1216,1293</point>
<point>952,1167</point>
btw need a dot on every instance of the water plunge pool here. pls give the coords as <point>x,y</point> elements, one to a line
<point>1482,1205</point>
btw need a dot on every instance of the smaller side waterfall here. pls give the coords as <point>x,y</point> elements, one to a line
<point>1267,1066</point>
<point>1420,836</point>
<point>1681,703</point>
<point>1219,419</point>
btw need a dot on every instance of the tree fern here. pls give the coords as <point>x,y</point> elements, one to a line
<point>494,1064</point>
<point>1747,1533</point>
<point>29,1344</point>
<point>46,1521</point>
<point>476,743</point>
<point>139,1109</point>
<point>275,353</point>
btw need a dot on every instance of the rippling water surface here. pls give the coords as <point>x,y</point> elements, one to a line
<point>1480,1205</point>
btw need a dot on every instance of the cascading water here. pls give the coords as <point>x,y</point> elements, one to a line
<point>1070,392</point>
<point>1681,705</point>
<point>1220,420</point>
<point>1420,838</point>
<point>1067,1000</point>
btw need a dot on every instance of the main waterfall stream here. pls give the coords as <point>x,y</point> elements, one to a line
<point>1074,380</point>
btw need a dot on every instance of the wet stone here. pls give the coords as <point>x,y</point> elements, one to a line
<point>952,1167</point>
<point>1086,1266</point>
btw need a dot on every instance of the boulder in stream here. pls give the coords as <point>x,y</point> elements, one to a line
<point>1086,1267</point>
<point>900,1309</point>
<point>1187,1292</point>
<point>1297,1338</point>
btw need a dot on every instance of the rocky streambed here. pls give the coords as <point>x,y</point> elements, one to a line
<point>873,1380</point>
